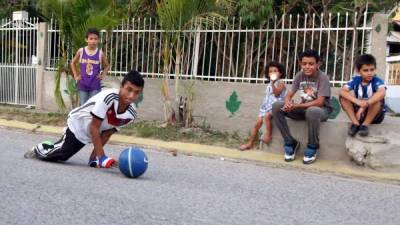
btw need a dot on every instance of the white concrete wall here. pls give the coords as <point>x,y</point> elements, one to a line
<point>47,92</point>
<point>209,103</point>
<point>209,106</point>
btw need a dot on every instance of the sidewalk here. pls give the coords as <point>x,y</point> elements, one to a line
<point>258,157</point>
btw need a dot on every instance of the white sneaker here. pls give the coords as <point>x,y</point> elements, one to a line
<point>310,154</point>
<point>290,151</point>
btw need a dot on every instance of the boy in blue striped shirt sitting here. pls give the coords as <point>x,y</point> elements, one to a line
<point>367,103</point>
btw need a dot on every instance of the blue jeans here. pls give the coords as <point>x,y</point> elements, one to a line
<point>85,95</point>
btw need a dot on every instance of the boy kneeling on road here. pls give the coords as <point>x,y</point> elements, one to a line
<point>94,122</point>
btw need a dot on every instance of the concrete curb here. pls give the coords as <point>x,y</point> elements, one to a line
<point>259,157</point>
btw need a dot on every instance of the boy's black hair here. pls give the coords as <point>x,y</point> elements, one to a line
<point>365,59</point>
<point>92,31</point>
<point>310,53</point>
<point>134,77</point>
<point>278,65</point>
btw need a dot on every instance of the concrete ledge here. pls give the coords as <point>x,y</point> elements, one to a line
<point>333,135</point>
<point>332,139</point>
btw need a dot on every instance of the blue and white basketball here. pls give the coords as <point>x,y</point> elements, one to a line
<point>133,162</point>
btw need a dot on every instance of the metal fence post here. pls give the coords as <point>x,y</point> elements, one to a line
<point>196,52</point>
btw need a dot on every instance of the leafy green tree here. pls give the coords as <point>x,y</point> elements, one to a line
<point>317,7</point>
<point>254,12</point>
<point>141,8</point>
<point>175,16</point>
<point>7,7</point>
<point>356,9</point>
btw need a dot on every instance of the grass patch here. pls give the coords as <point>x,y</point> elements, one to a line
<point>32,115</point>
<point>197,134</point>
<point>147,129</point>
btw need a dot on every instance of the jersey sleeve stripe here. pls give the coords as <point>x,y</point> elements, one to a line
<point>132,111</point>
<point>109,98</point>
<point>94,115</point>
<point>382,85</point>
<point>82,107</point>
<point>111,95</point>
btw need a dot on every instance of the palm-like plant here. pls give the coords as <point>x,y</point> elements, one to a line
<point>176,16</point>
<point>74,17</point>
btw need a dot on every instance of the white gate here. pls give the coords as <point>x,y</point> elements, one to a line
<point>17,57</point>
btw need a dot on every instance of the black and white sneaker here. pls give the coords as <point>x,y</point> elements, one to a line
<point>353,129</point>
<point>39,150</point>
<point>363,132</point>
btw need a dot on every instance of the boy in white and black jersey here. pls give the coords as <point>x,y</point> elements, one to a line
<point>95,122</point>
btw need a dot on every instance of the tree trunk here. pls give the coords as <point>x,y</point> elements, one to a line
<point>169,112</point>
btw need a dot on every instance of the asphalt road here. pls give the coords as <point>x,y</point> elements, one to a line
<point>180,190</point>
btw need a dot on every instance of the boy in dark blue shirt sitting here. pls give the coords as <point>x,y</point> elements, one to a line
<point>366,106</point>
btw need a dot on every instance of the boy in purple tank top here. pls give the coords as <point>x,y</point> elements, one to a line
<point>90,59</point>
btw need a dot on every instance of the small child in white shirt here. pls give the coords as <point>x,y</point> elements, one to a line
<point>276,91</point>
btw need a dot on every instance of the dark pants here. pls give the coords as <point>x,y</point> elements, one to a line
<point>62,150</point>
<point>313,115</point>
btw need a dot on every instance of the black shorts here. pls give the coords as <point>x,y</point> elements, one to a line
<point>62,150</point>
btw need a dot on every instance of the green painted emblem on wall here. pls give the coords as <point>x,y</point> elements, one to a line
<point>233,105</point>
<point>336,108</point>
<point>139,100</point>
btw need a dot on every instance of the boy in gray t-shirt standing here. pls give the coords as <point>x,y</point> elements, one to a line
<point>314,106</point>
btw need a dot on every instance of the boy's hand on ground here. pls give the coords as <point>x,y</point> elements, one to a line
<point>107,162</point>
